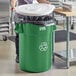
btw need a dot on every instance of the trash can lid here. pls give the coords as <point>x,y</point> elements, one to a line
<point>38,9</point>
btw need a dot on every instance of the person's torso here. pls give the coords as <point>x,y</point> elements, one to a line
<point>21,2</point>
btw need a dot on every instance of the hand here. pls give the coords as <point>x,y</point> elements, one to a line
<point>12,8</point>
<point>47,2</point>
<point>44,1</point>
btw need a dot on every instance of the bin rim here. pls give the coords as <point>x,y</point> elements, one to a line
<point>51,24</point>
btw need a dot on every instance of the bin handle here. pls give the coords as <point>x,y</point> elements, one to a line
<point>19,28</point>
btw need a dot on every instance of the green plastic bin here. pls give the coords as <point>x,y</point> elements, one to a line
<point>35,46</point>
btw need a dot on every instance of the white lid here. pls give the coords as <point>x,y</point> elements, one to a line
<point>38,9</point>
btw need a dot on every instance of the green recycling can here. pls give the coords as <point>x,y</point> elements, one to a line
<point>35,46</point>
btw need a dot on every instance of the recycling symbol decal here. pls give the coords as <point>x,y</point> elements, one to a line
<point>43,46</point>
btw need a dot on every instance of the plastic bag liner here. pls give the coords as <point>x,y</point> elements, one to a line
<point>38,20</point>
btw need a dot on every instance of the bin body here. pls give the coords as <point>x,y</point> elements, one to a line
<point>35,47</point>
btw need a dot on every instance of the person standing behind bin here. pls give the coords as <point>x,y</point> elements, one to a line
<point>21,2</point>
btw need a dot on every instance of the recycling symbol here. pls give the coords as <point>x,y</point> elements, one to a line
<point>43,46</point>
